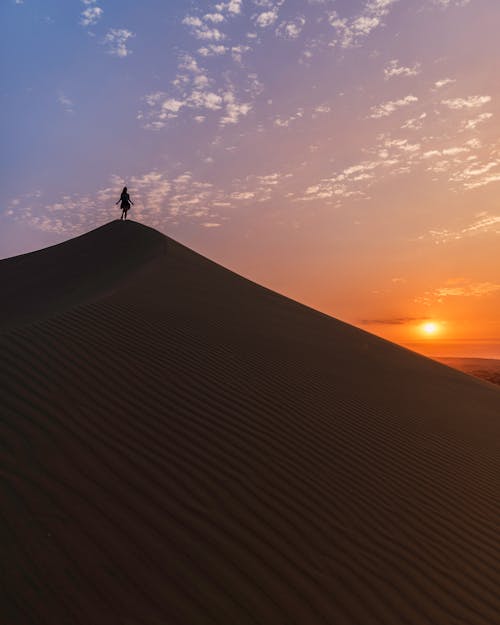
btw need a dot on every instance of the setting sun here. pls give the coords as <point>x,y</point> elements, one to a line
<point>430,328</point>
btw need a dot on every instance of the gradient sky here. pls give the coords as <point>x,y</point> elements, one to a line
<point>343,152</point>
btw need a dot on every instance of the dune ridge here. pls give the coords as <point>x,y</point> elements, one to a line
<point>180,445</point>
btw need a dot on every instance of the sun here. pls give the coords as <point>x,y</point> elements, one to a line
<point>430,328</point>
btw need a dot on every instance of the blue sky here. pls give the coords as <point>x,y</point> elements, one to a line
<point>285,139</point>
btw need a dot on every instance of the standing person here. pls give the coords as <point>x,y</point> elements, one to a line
<point>125,203</point>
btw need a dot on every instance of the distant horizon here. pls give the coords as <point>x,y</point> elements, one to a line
<point>342,152</point>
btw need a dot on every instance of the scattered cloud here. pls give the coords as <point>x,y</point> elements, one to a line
<point>160,199</point>
<point>116,41</point>
<point>91,15</point>
<point>445,4</point>
<point>394,69</point>
<point>234,109</point>
<point>66,103</point>
<point>457,288</point>
<point>213,50</point>
<point>202,30</point>
<point>351,31</point>
<point>415,123</point>
<point>472,124</point>
<point>473,101</point>
<point>284,122</point>
<point>387,108</point>
<point>267,18</point>
<point>483,223</point>
<point>291,29</point>
<point>439,84</point>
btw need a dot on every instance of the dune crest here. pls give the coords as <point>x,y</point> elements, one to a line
<point>183,446</point>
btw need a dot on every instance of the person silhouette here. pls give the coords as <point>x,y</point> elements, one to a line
<point>125,203</point>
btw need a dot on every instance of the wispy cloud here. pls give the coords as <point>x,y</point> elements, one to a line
<point>66,103</point>
<point>458,288</point>
<point>395,69</point>
<point>393,321</point>
<point>445,4</point>
<point>439,84</point>
<point>387,108</point>
<point>484,223</point>
<point>472,124</point>
<point>116,41</point>
<point>471,102</point>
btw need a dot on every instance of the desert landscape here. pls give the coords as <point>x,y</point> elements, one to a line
<point>181,445</point>
<point>484,368</point>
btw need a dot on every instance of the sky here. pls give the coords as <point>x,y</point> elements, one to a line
<point>345,153</point>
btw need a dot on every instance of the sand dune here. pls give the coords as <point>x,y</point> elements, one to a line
<point>182,446</point>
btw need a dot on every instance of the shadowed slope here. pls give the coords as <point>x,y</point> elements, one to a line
<point>64,275</point>
<point>187,447</point>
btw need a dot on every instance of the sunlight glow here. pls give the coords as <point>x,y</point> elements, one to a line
<point>430,328</point>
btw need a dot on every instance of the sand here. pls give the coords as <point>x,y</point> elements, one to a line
<point>182,446</point>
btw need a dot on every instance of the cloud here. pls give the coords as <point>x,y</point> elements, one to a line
<point>234,109</point>
<point>284,122</point>
<point>160,198</point>
<point>291,29</point>
<point>201,30</point>
<point>65,102</point>
<point>439,84</point>
<point>445,4</point>
<point>91,16</point>
<point>233,7</point>
<point>457,288</point>
<point>484,223</point>
<point>472,124</point>
<point>351,31</point>
<point>246,195</point>
<point>393,321</point>
<point>116,41</point>
<point>383,110</point>
<point>346,183</point>
<point>394,69</point>
<point>213,50</point>
<point>215,18</point>
<point>415,123</point>
<point>473,101</point>
<point>267,18</point>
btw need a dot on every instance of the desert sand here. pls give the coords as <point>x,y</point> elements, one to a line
<point>182,446</point>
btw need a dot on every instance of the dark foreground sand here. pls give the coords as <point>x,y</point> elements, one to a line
<point>181,446</point>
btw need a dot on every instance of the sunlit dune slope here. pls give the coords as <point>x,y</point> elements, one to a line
<point>182,446</point>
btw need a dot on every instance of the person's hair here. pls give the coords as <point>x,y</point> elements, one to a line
<point>124,190</point>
